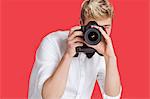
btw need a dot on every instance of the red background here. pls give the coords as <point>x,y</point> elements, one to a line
<point>25,22</point>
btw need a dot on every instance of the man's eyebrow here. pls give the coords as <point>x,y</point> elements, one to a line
<point>107,25</point>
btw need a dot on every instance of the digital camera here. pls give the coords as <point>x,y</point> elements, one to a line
<point>91,36</point>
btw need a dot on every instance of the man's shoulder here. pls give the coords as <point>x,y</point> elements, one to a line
<point>57,40</point>
<point>57,35</point>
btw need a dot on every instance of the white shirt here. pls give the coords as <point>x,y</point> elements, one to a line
<point>83,72</point>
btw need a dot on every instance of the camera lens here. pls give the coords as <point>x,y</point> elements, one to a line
<point>92,36</point>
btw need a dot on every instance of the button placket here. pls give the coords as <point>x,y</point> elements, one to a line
<point>82,77</point>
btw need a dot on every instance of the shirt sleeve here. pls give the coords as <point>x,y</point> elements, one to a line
<point>47,58</point>
<point>101,81</point>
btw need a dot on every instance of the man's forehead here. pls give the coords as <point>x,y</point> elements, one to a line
<point>104,22</point>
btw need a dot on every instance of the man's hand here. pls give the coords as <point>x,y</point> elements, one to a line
<point>74,41</point>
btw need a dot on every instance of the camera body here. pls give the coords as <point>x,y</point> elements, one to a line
<point>91,36</point>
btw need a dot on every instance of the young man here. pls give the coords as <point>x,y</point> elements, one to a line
<point>57,74</point>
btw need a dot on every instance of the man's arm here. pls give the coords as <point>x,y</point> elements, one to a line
<point>112,80</point>
<point>54,86</point>
<point>112,85</point>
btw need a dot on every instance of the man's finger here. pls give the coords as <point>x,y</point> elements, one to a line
<point>77,39</point>
<point>74,28</point>
<point>75,34</point>
<point>78,44</point>
<point>105,35</point>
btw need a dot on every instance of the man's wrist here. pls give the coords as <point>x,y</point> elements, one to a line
<point>110,59</point>
<point>67,56</point>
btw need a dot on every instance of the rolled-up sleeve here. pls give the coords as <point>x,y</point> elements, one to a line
<point>101,81</point>
<point>44,66</point>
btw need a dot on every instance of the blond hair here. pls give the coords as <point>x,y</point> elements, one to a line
<point>96,9</point>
